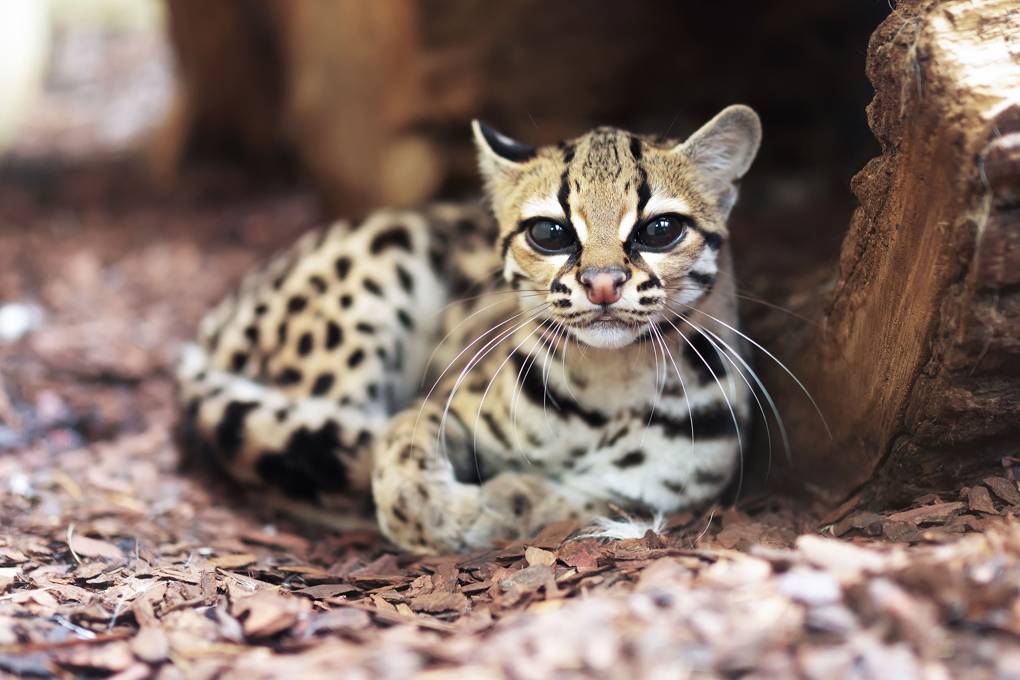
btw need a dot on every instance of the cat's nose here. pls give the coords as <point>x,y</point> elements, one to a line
<point>603,286</point>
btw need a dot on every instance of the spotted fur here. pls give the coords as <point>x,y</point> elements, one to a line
<point>541,401</point>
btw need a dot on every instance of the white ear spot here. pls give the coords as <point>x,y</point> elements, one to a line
<point>724,147</point>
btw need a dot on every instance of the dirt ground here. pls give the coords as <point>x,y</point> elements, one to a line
<point>115,562</point>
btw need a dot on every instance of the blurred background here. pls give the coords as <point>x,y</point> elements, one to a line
<point>151,151</point>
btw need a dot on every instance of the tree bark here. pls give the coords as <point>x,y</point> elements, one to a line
<point>915,360</point>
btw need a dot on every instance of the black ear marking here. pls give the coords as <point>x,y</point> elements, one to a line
<point>506,147</point>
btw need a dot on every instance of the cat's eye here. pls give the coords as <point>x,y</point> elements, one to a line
<point>550,237</point>
<point>661,232</point>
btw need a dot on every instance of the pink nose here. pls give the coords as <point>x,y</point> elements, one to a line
<point>603,286</point>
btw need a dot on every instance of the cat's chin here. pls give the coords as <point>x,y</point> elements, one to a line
<point>607,334</point>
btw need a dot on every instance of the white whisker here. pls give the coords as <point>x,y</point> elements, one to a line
<point>453,329</point>
<point>660,379</point>
<point>518,388</point>
<point>563,361</point>
<point>729,404</point>
<point>550,356</point>
<point>472,363</point>
<point>492,379</point>
<point>428,395</point>
<point>749,370</point>
<point>690,409</point>
<point>776,360</point>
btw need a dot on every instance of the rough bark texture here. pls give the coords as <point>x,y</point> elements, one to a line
<point>916,362</point>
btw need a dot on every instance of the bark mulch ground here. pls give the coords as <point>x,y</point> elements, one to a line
<point>115,562</point>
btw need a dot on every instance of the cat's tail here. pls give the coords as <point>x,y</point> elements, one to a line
<point>307,451</point>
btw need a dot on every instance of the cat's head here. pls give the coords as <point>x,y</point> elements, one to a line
<point>606,232</point>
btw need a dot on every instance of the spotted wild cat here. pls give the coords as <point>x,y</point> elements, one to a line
<point>578,337</point>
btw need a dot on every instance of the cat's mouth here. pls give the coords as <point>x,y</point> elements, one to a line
<point>607,329</point>
<point>607,320</point>
<point>610,319</point>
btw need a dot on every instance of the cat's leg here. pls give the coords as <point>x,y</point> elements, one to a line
<point>423,503</point>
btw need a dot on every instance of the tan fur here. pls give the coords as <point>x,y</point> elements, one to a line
<point>540,404</point>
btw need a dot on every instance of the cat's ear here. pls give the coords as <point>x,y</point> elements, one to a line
<point>723,150</point>
<point>497,153</point>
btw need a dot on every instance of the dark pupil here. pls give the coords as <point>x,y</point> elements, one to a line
<point>661,232</point>
<point>550,235</point>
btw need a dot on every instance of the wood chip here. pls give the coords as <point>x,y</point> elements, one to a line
<point>868,522</point>
<point>150,645</point>
<point>583,554</point>
<point>533,556</point>
<point>979,500</point>
<point>267,613</point>
<point>435,603</point>
<point>554,534</point>
<point>928,514</point>
<point>233,561</point>
<point>83,546</point>
<point>7,577</point>
<point>111,657</point>
<point>327,590</point>
<point>901,532</point>
<point>528,579</point>
<point>1004,489</point>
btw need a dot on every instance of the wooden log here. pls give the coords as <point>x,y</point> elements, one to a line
<point>915,360</point>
